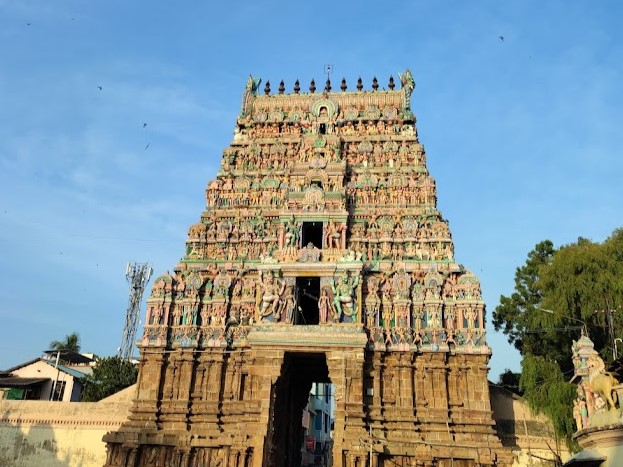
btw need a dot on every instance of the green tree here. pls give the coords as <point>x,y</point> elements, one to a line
<point>110,375</point>
<point>557,293</point>
<point>513,314</point>
<point>71,342</point>
<point>510,380</point>
<point>547,391</point>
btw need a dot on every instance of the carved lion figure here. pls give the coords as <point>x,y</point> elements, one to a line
<point>602,382</point>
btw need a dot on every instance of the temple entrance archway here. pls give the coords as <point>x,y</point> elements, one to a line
<point>289,397</point>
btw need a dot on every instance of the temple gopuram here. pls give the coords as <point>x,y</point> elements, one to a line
<point>320,257</point>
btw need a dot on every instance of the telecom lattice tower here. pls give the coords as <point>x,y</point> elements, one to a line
<point>137,275</point>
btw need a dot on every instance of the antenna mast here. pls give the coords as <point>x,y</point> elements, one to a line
<point>137,275</point>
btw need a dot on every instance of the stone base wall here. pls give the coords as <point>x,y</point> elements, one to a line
<point>530,436</point>
<point>235,409</point>
<point>68,434</point>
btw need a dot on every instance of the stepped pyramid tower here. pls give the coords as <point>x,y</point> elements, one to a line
<point>320,257</point>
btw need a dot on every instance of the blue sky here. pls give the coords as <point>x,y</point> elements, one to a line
<point>523,135</point>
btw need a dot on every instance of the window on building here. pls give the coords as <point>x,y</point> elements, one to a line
<point>59,391</point>
<point>318,422</point>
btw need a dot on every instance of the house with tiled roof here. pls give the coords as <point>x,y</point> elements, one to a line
<point>46,378</point>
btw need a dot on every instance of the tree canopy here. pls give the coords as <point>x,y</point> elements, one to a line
<point>110,375</point>
<point>71,342</point>
<point>558,293</point>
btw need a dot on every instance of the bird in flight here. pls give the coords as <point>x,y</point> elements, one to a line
<point>144,125</point>
<point>147,146</point>
<point>501,38</point>
<point>100,88</point>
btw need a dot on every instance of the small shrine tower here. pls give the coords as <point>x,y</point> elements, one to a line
<point>320,257</point>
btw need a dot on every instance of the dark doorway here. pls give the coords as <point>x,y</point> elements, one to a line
<point>289,397</point>
<point>307,291</point>
<point>312,233</point>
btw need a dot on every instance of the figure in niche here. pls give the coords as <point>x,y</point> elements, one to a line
<point>387,303</point>
<point>372,302</point>
<point>189,315</point>
<point>334,234</point>
<point>287,304</point>
<point>325,305</point>
<point>433,318</point>
<point>344,300</point>
<point>450,315</point>
<point>221,285</point>
<point>419,317</point>
<point>177,315</point>
<point>270,291</point>
<point>155,314</point>
<point>470,316</point>
<point>291,233</point>
<point>219,311</point>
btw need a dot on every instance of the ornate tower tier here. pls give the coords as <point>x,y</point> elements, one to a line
<point>320,256</point>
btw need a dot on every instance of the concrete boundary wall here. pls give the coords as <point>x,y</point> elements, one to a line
<point>41,433</point>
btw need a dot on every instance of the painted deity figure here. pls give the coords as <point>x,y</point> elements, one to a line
<point>334,234</point>
<point>325,305</point>
<point>221,285</point>
<point>387,303</point>
<point>433,318</point>
<point>287,304</point>
<point>270,291</point>
<point>470,315</point>
<point>372,302</point>
<point>344,291</point>
<point>450,315</point>
<point>291,233</point>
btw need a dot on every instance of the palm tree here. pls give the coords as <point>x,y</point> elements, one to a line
<point>71,342</point>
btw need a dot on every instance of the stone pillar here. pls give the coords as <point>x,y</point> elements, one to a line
<point>206,395</point>
<point>266,368</point>
<point>144,413</point>
<point>175,401</point>
<point>346,371</point>
<point>131,457</point>
<point>360,318</point>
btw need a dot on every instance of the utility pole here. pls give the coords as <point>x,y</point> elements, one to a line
<point>609,315</point>
<point>137,275</point>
